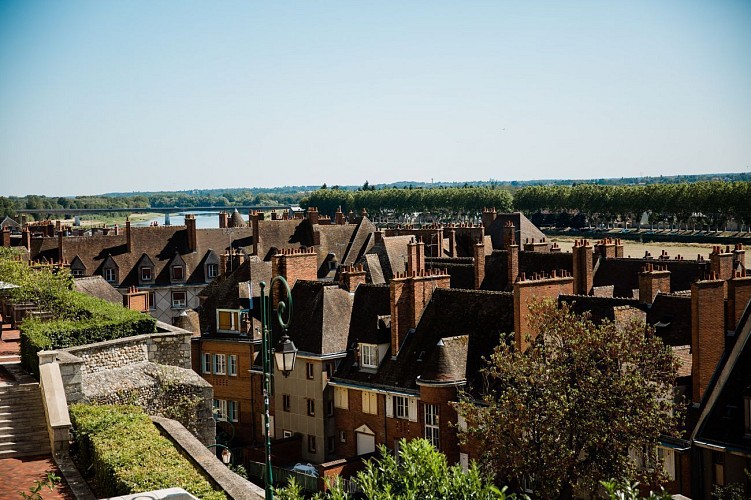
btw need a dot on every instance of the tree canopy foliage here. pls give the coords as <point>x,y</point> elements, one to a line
<point>419,472</point>
<point>564,415</point>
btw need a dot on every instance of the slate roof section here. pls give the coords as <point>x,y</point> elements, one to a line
<point>97,287</point>
<point>524,229</point>
<point>320,317</point>
<point>671,316</point>
<point>599,308</point>
<point>481,316</point>
<point>448,363</point>
<point>371,315</point>
<point>624,273</point>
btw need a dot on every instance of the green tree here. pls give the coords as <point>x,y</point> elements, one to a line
<point>420,471</point>
<point>565,413</point>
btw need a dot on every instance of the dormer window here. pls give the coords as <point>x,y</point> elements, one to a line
<point>212,271</point>
<point>146,274</point>
<point>369,355</point>
<point>178,273</point>
<point>77,273</point>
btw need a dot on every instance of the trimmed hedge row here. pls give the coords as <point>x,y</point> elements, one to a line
<point>129,455</point>
<point>83,320</point>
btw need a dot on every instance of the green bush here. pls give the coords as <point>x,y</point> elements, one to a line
<point>129,455</point>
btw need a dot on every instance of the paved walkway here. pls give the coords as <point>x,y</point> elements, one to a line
<point>18,474</point>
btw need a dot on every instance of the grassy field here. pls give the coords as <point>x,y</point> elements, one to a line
<point>636,249</point>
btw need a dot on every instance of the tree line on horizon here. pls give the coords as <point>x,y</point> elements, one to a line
<point>711,203</point>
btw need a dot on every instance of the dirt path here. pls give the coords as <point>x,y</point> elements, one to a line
<point>636,249</point>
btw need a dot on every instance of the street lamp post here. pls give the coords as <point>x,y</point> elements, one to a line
<point>285,354</point>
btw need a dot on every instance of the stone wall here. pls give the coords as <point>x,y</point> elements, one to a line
<point>153,371</point>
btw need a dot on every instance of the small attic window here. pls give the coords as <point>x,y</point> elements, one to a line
<point>147,273</point>
<point>212,271</point>
<point>178,273</point>
<point>110,275</point>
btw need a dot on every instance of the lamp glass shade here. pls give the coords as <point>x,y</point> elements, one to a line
<point>285,354</point>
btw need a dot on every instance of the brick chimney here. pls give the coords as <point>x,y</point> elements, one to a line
<point>128,236</point>
<point>509,235</point>
<point>409,296</point>
<point>190,229</point>
<point>653,278</point>
<point>488,216</point>
<point>527,290</point>
<point>255,217</point>
<point>135,300</point>
<point>618,248</point>
<point>512,264</point>
<point>739,295</point>
<point>6,237</point>
<point>415,257</point>
<point>452,243</point>
<point>582,267</point>
<point>26,238</point>
<point>707,331</point>
<point>479,261</point>
<point>313,215</point>
<point>223,220</point>
<point>293,265</point>
<point>339,218</point>
<point>350,277</point>
<point>536,246</point>
<point>721,262</point>
<point>606,248</point>
<point>377,236</point>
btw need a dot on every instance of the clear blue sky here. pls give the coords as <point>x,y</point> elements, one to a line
<point>101,96</point>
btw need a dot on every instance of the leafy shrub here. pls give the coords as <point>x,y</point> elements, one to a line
<point>129,455</point>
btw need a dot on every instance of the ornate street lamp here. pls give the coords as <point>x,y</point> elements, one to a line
<point>285,354</point>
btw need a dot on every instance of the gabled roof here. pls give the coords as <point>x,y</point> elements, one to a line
<point>525,230</point>
<point>144,261</point>
<point>370,310</point>
<point>320,317</point>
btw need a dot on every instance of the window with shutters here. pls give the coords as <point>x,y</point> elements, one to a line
<point>206,362</point>
<point>228,320</point>
<point>232,365</point>
<point>401,408</point>
<point>370,402</point>
<point>341,398</point>
<point>220,364</point>
<point>220,409</point>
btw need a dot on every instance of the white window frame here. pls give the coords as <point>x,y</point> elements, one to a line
<point>181,271</point>
<point>432,429</point>
<point>369,355</point>
<point>220,409</point>
<point>232,365</point>
<point>179,304</point>
<point>370,402</point>
<point>234,320</point>
<point>341,398</point>
<point>212,271</point>
<point>206,365</point>
<point>151,273</point>
<point>220,364</point>
<point>109,274</point>
<point>401,407</point>
<point>233,411</point>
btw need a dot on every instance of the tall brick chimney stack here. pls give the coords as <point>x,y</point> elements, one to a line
<point>509,235</point>
<point>293,265</point>
<point>582,258</point>
<point>255,218</point>
<point>488,216</point>
<point>128,235</point>
<point>653,278</point>
<point>190,229</point>
<point>707,331</point>
<point>409,296</point>
<point>479,258</point>
<point>6,237</point>
<point>350,277</point>
<point>415,257</point>
<point>26,238</point>
<point>313,215</point>
<point>339,218</point>
<point>223,220</point>
<point>721,262</point>
<point>512,262</point>
<point>739,295</point>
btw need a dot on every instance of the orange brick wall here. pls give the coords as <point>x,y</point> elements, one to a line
<point>525,291</point>
<point>707,332</point>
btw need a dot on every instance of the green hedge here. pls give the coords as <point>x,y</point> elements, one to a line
<point>129,455</point>
<point>83,320</point>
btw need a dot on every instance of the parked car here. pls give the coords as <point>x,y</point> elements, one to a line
<point>308,469</point>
